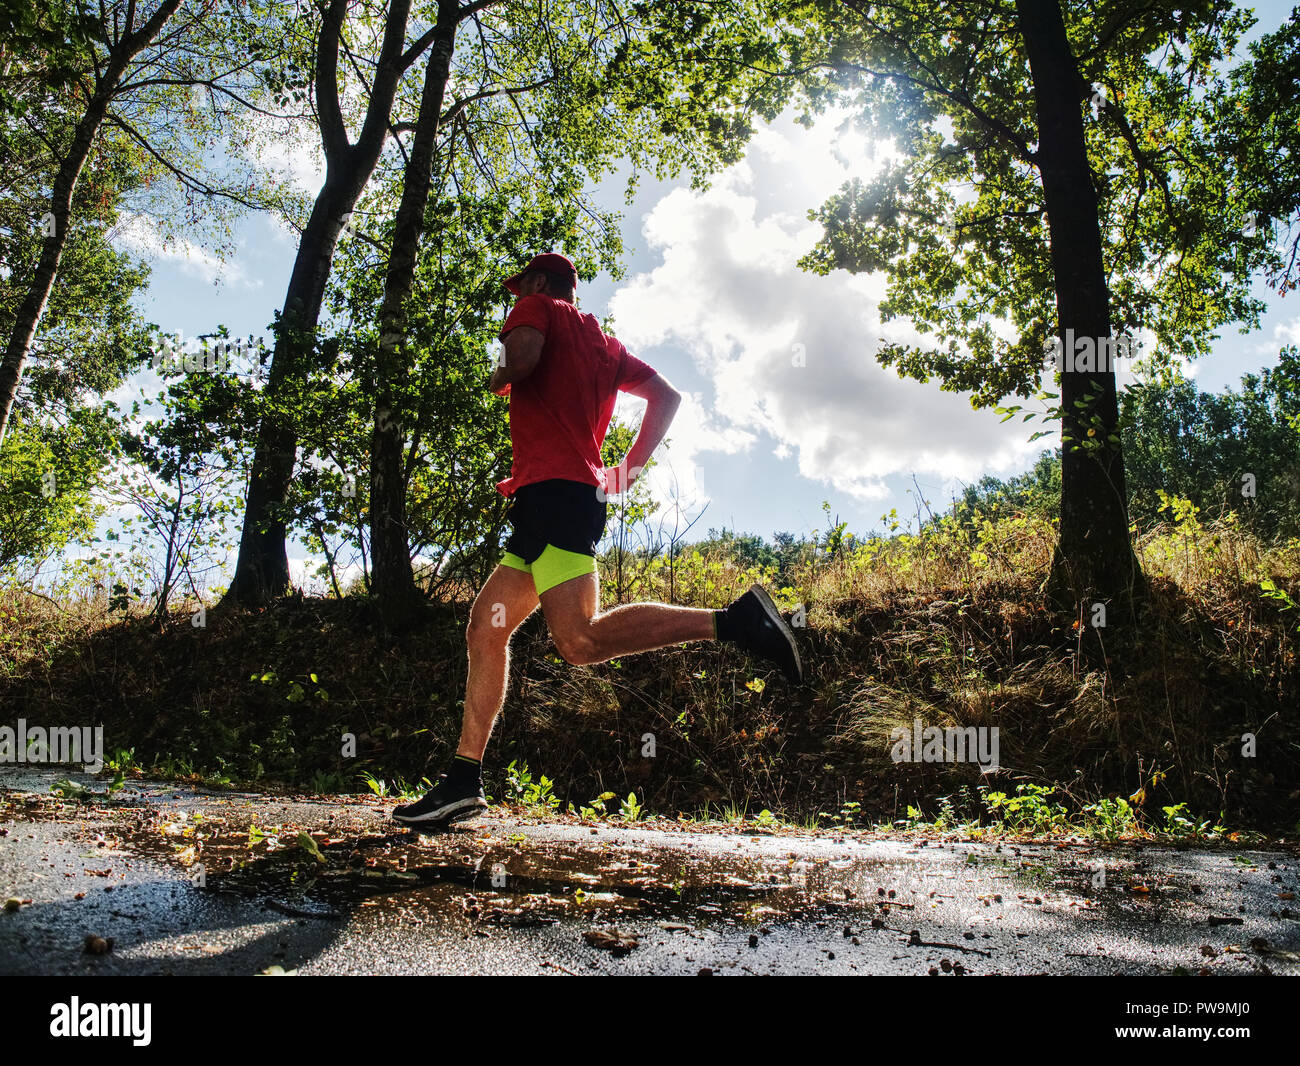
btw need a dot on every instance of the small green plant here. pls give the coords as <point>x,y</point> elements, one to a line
<point>849,814</point>
<point>630,810</point>
<point>326,781</point>
<point>732,813</point>
<point>597,809</point>
<point>70,790</point>
<point>1270,589</point>
<point>1029,810</point>
<point>122,761</point>
<point>309,845</point>
<point>173,766</point>
<point>521,788</point>
<point>1109,818</point>
<point>766,819</point>
<point>377,785</point>
<point>1178,823</point>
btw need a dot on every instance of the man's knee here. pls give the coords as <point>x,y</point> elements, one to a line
<point>576,645</point>
<point>487,628</point>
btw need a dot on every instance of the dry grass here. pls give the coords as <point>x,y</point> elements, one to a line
<point>948,629</point>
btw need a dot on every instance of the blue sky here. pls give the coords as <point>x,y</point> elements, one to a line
<point>712,298</point>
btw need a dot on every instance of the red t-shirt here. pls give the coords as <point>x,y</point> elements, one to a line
<point>560,412</point>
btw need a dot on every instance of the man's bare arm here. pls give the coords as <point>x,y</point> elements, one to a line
<point>662,401</point>
<point>523,351</point>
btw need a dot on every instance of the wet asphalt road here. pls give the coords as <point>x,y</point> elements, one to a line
<point>513,895</point>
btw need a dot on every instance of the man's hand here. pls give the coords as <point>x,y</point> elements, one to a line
<point>618,479</point>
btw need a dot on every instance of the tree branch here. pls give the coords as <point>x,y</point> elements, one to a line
<point>334,135</point>
<point>186,179</point>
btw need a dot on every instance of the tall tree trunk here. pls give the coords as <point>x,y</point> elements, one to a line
<point>33,305</point>
<point>1094,560</point>
<point>392,580</point>
<point>262,569</point>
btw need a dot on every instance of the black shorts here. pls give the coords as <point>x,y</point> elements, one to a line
<point>567,514</point>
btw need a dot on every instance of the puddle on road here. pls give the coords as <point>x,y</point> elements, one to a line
<point>476,880</point>
<point>480,876</point>
<point>476,877</point>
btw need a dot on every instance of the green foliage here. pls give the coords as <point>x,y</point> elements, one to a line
<point>1258,113</point>
<point>1110,818</point>
<point>521,788</point>
<point>630,810</point>
<point>1029,810</point>
<point>1182,444</point>
<point>1037,492</point>
<point>848,815</point>
<point>377,785</point>
<point>49,472</point>
<point>596,809</point>
<point>956,218</point>
<point>1279,595</point>
<point>60,33</point>
<point>1180,824</point>
<point>70,790</point>
<point>1032,811</point>
<point>1200,446</point>
<point>182,479</point>
<point>307,844</point>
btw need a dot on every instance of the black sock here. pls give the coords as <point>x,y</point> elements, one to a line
<point>464,770</point>
<point>724,626</point>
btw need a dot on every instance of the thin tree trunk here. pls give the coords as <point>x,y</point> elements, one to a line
<point>34,302</point>
<point>172,555</point>
<point>392,579</point>
<point>1094,560</point>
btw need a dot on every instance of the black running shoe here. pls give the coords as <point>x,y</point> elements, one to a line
<point>444,804</point>
<point>760,629</point>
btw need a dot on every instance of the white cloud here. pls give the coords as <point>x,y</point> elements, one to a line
<point>677,477</point>
<point>301,163</point>
<point>138,234</point>
<point>1285,334</point>
<point>728,292</point>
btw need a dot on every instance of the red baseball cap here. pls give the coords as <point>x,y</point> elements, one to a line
<point>552,261</point>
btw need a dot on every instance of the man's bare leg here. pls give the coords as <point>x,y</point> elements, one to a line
<point>501,606</point>
<point>508,597</point>
<point>582,636</point>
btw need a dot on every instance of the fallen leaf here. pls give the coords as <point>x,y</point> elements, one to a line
<point>310,847</point>
<point>612,940</point>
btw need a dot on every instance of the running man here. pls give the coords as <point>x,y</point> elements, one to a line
<point>562,375</point>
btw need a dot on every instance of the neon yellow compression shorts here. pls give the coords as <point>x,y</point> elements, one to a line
<point>553,567</point>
